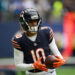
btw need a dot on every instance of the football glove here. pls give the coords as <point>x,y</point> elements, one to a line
<point>39,65</point>
<point>58,62</point>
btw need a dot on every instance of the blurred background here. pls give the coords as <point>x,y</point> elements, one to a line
<point>58,14</point>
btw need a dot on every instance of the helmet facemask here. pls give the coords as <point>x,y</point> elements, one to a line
<point>33,28</point>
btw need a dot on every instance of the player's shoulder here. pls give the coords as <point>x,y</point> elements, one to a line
<point>18,35</point>
<point>46,29</point>
<point>16,40</point>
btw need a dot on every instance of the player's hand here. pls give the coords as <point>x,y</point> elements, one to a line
<point>39,65</point>
<point>58,62</point>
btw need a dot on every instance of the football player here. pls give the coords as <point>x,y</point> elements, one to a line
<point>34,44</point>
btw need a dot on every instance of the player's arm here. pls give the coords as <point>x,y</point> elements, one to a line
<point>52,44</point>
<point>18,54</point>
<point>18,57</point>
<point>54,48</point>
<point>60,60</point>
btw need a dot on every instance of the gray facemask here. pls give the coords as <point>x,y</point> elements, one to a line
<point>33,29</point>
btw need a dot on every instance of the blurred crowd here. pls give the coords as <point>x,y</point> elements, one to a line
<point>50,10</point>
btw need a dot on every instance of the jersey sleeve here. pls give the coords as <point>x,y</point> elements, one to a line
<point>16,43</point>
<point>50,34</point>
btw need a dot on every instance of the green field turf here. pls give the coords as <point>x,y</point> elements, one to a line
<point>61,71</point>
<point>66,71</point>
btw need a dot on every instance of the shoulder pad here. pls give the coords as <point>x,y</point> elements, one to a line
<point>15,44</point>
<point>42,28</point>
<point>18,35</point>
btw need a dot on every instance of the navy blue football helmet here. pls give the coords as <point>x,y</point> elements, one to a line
<point>27,15</point>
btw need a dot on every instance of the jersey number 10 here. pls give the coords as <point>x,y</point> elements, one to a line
<point>36,55</point>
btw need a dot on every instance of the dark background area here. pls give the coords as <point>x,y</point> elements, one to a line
<point>7,30</point>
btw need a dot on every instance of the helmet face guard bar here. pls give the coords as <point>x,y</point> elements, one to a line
<point>29,15</point>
